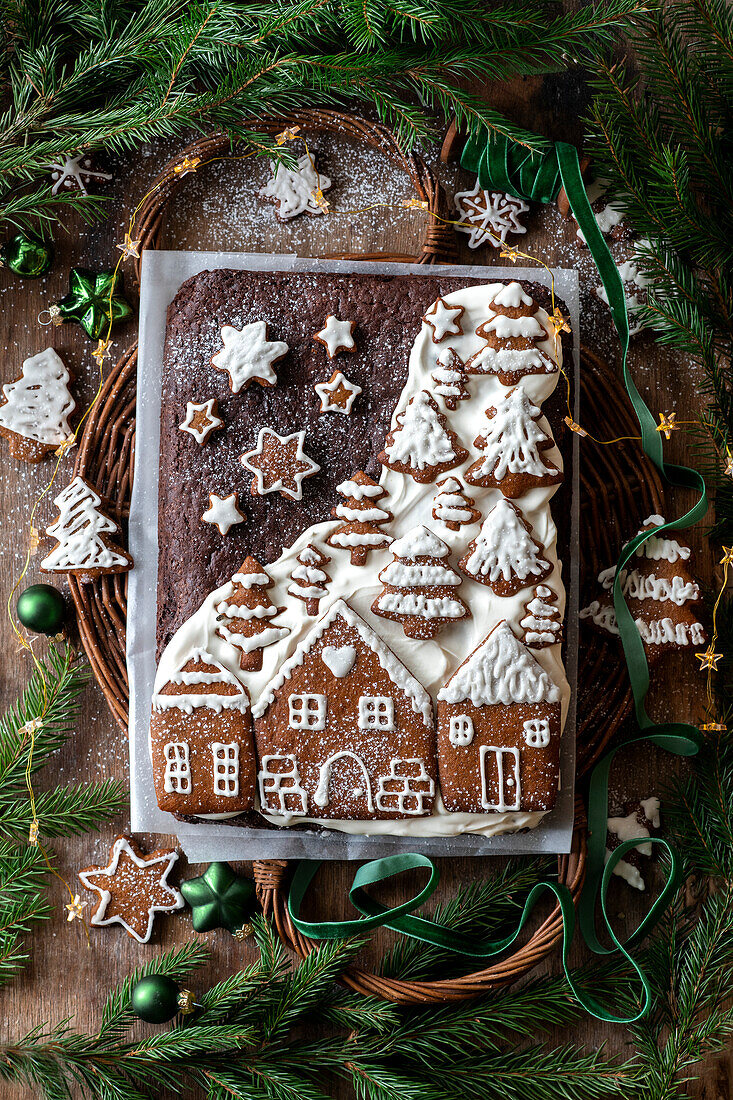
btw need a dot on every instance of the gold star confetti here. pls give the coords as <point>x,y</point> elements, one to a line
<point>67,444</point>
<point>510,254</point>
<point>129,247</point>
<point>557,322</point>
<point>320,200</point>
<point>286,135</point>
<point>414,204</point>
<point>188,164</point>
<point>75,908</point>
<point>727,558</point>
<point>716,726</point>
<point>575,427</point>
<point>667,424</point>
<point>729,468</point>
<point>709,659</point>
<point>33,833</point>
<point>101,352</point>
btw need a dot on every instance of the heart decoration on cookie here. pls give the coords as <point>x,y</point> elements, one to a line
<point>339,659</point>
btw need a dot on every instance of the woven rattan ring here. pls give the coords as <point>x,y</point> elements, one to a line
<point>614,494</point>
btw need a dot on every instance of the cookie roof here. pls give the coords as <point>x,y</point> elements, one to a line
<point>418,696</point>
<point>500,671</point>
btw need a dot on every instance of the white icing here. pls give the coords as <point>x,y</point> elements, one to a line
<point>293,189</point>
<point>309,582</point>
<point>404,576</point>
<point>283,785</point>
<point>536,732</point>
<point>651,807</point>
<point>412,503</point>
<point>490,360</point>
<point>177,777</point>
<point>460,731</point>
<point>225,763</point>
<point>507,328</point>
<point>443,320</point>
<point>542,623</point>
<point>501,671</point>
<point>248,355</point>
<point>288,473</point>
<point>657,632</point>
<point>250,580</point>
<point>449,377</point>
<point>339,659</point>
<point>337,336</point>
<point>416,693</point>
<point>629,828</point>
<point>635,283</point>
<point>506,762</point>
<point>307,712</point>
<point>511,440</point>
<point>511,296</point>
<point>80,531</point>
<point>656,548</point>
<point>358,492</point>
<point>488,216</point>
<point>38,404</point>
<point>650,587</point>
<point>217,674</point>
<point>376,712</point>
<point>504,548</point>
<point>406,788</point>
<point>426,607</point>
<point>223,512</point>
<point>321,798</point>
<point>202,433</point>
<point>325,391</point>
<point>420,440</point>
<point>75,172</point>
<point>165,861</point>
<point>450,504</point>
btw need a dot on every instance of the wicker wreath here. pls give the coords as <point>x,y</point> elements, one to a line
<point>614,494</point>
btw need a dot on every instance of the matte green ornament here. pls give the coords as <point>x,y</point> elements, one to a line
<point>95,300</point>
<point>27,257</point>
<point>157,999</point>
<point>41,609</point>
<point>220,898</point>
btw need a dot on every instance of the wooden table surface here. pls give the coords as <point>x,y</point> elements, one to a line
<point>220,211</point>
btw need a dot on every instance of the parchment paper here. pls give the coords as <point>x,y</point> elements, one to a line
<point>162,274</point>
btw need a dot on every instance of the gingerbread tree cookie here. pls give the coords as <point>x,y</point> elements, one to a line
<point>452,506</point>
<point>504,555</point>
<point>512,336</point>
<point>362,517</point>
<point>450,378</point>
<point>244,615</point>
<point>513,443</point>
<point>421,444</point>
<point>541,623</point>
<point>35,409</point>
<point>661,593</point>
<point>309,578</point>
<point>419,586</point>
<point>248,355</point>
<point>294,191</point>
<point>133,887</point>
<point>82,531</point>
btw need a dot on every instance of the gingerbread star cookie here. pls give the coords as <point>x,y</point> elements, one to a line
<point>279,464</point>
<point>132,888</point>
<point>336,336</point>
<point>201,420</point>
<point>223,512</point>
<point>338,394</point>
<point>444,320</point>
<point>248,355</point>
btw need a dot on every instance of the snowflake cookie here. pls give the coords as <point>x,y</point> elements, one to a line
<point>76,174</point>
<point>279,464</point>
<point>248,355</point>
<point>223,512</point>
<point>35,408</point>
<point>336,336</point>
<point>295,190</point>
<point>338,394</point>
<point>201,420</point>
<point>133,887</point>
<point>487,217</point>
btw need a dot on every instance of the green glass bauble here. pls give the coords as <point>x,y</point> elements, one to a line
<point>220,898</point>
<point>27,256</point>
<point>155,999</point>
<point>41,609</point>
<point>95,301</point>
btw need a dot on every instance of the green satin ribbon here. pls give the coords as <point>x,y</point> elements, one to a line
<point>537,176</point>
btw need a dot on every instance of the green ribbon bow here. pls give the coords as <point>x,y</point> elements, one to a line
<point>537,176</point>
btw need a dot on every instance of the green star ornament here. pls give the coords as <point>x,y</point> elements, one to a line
<point>220,898</point>
<point>95,300</point>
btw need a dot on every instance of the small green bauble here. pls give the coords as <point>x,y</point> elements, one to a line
<point>27,256</point>
<point>41,609</point>
<point>155,999</point>
<point>220,898</point>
